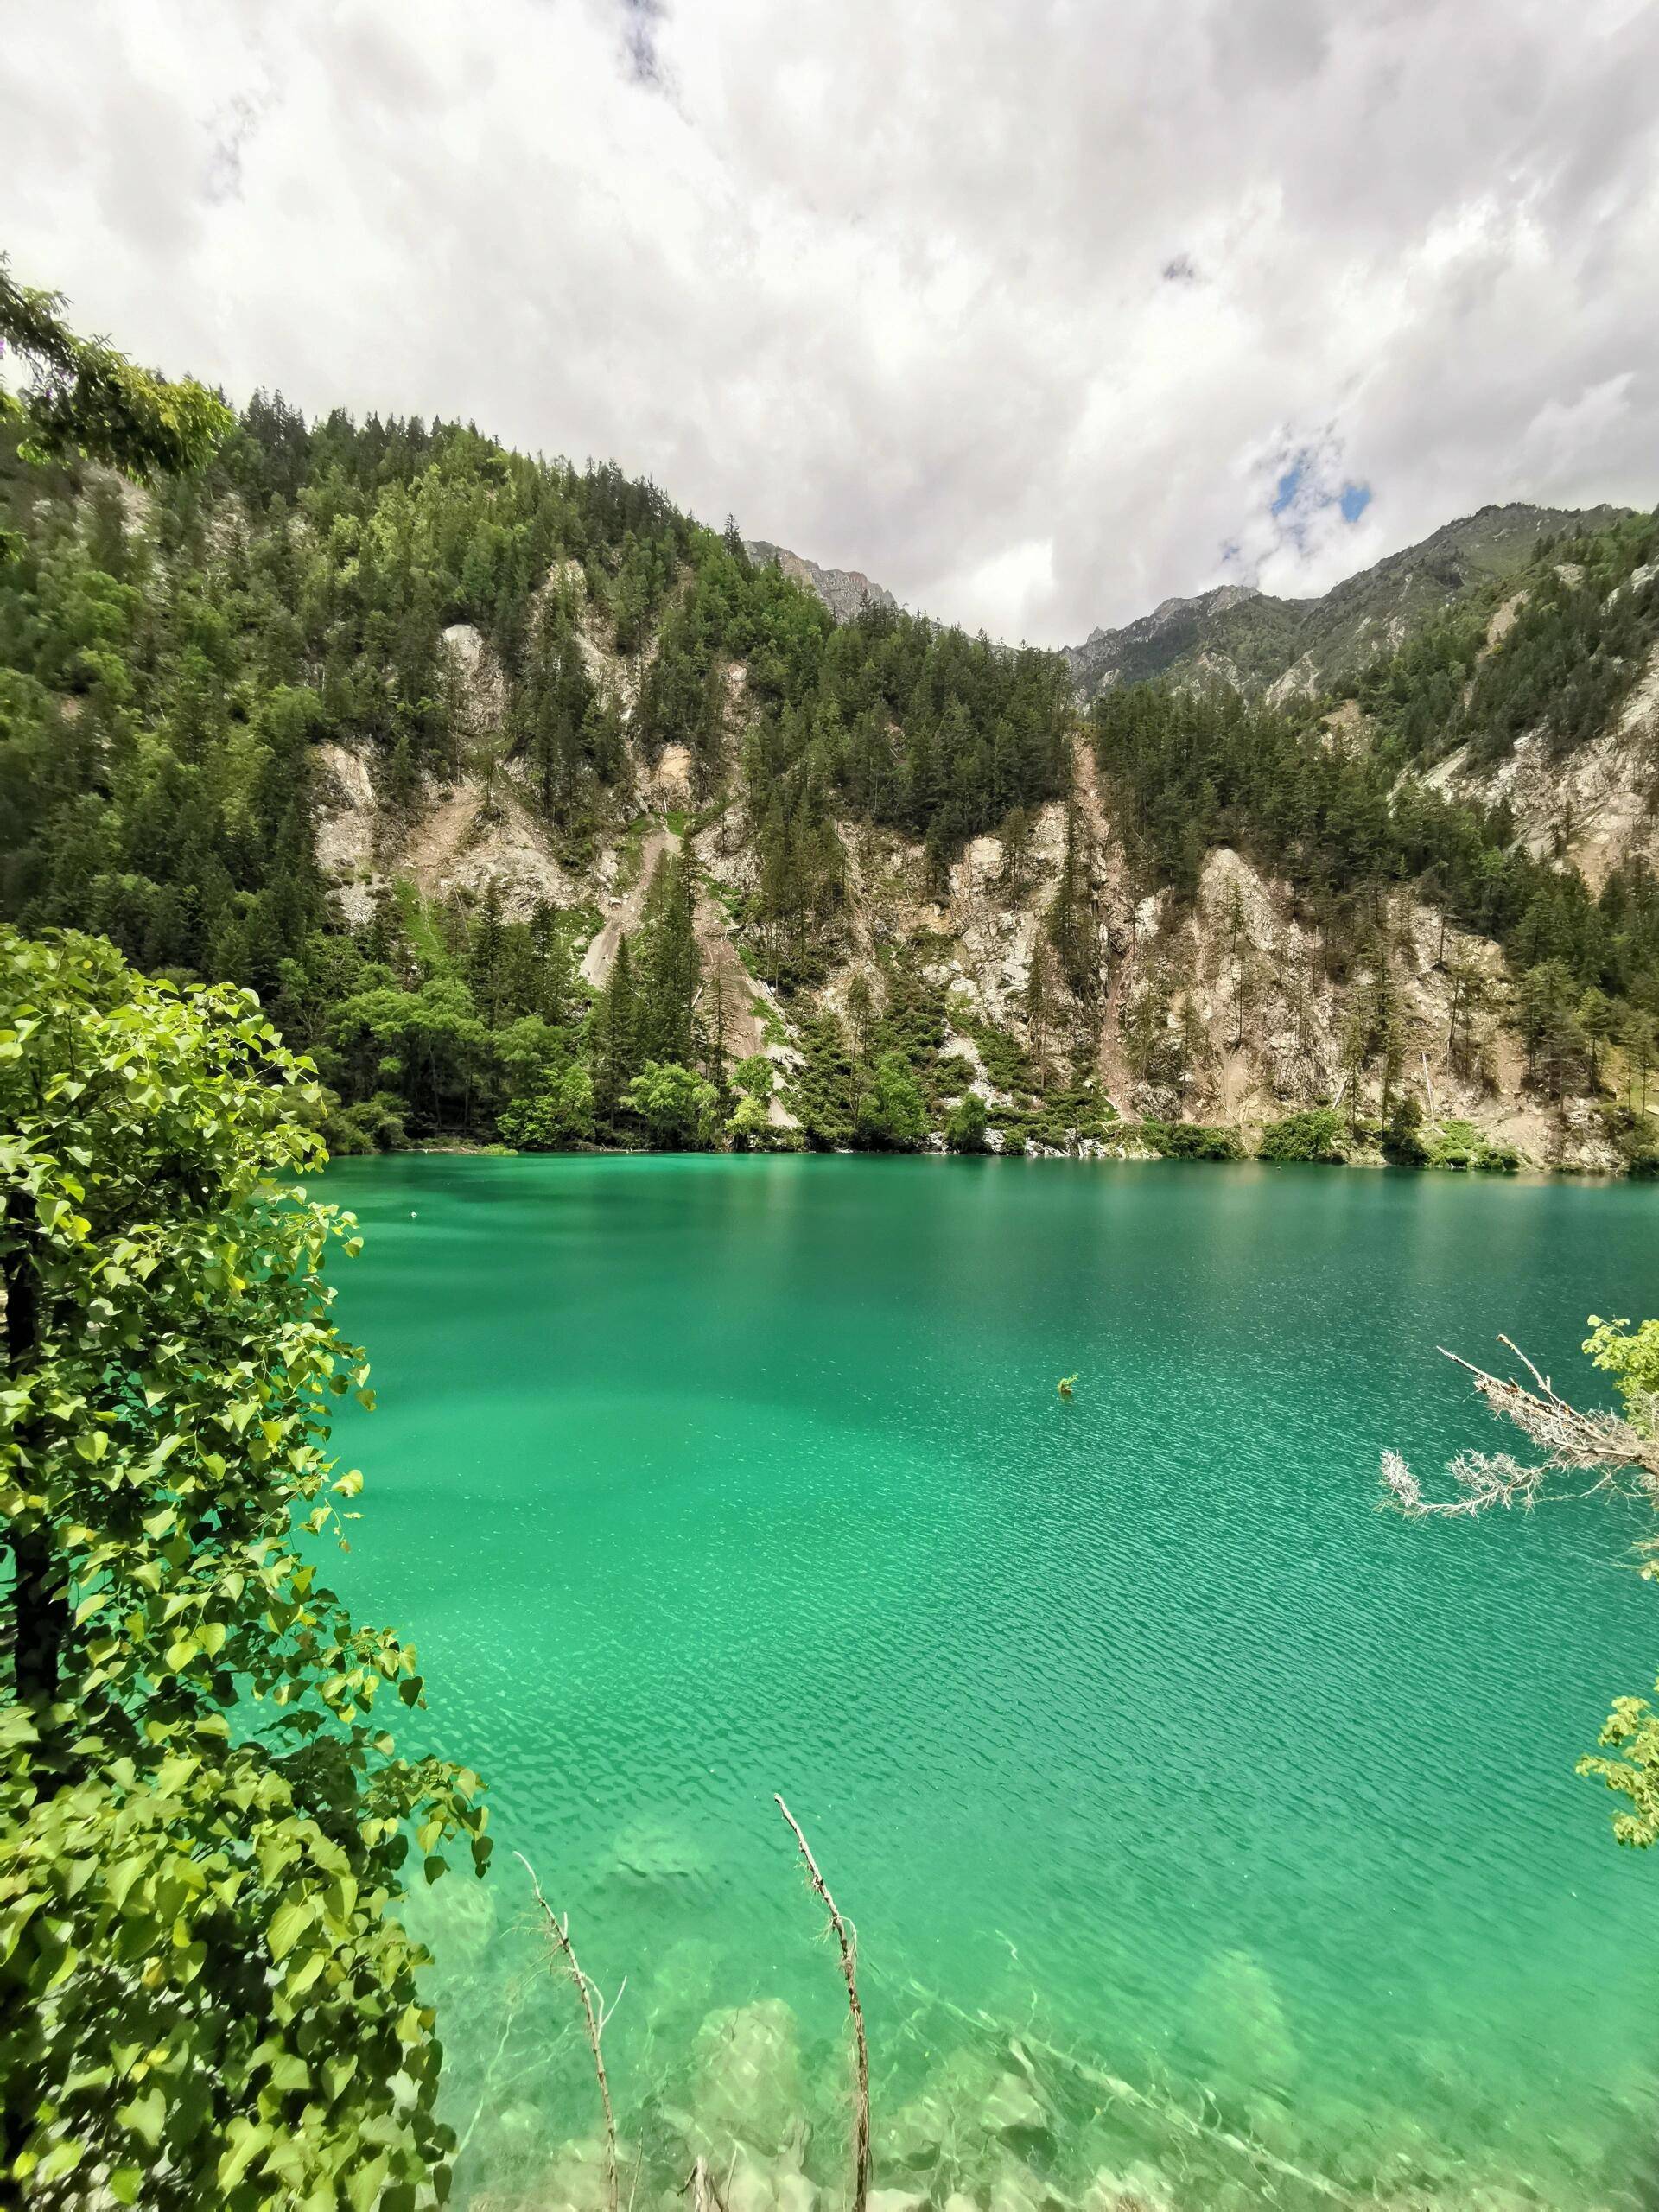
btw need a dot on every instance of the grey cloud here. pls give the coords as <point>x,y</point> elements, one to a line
<point>887,287</point>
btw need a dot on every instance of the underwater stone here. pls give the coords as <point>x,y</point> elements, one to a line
<point>1238,2022</point>
<point>1013,2110</point>
<point>655,1851</point>
<point>455,1920</point>
<point>758,2184</point>
<point>577,2180</point>
<point>1015,2188</point>
<point>749,2076</point>
<point>1138,2189</point>
<point>917,2134</point>
<point>896,2200</point>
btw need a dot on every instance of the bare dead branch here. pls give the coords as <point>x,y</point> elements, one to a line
<point>595,2011</point>
<point>848,1940</point>
<point>1572,1442</point>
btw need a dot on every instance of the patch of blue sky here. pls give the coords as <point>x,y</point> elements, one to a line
<point>1299,492</point>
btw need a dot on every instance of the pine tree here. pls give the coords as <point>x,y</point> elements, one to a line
<point>671,965</point>
<point>613,1033</point>
<point>1598,1020</point>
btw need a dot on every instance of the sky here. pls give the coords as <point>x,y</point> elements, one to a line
<point>1037,311</point>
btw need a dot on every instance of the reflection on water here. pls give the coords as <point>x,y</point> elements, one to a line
<point>1211,1837</point>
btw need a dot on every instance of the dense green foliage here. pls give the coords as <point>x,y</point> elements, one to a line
<point>1192,1141</point>
<point>203,1821</point>
<point>1314,1135</point>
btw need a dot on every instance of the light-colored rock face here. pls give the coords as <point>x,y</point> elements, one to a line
<point>1502,622</point>
<point>470,835</point>
<point>845,592</point>
<point>668,782</point>
<point>480,689</point>
<point>1596,808</point>
<point>346,826</point>
<point>480,831</point>
<point>1300,680</point>
<point>614,677</point>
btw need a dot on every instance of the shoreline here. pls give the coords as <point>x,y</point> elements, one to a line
<point>1091,1152</point>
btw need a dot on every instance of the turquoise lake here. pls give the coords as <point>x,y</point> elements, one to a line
<point>1141,1747</point>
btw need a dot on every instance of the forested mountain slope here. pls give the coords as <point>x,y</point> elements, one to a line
<point>1240,636</point>
<point>537,812</point>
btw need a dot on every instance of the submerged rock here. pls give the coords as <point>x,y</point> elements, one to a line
<point>748,2076</point>
<point>753,2184</point>
<point>656,1852</point>
<point>682,1987</point>
<point>966,2103</point>
<point>455,1920</point>
<point>576,2181</point>
<point>918,2136</point>
<point>1013,2111</point>
<point>1238,2023</point>
<point>1015,2188</point>
<point>1138,2189</point>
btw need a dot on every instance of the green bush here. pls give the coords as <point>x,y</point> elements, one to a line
<point>1314,1134</point>
<point>1192,1141</point>
<point>964,1125</point>
<point>678,1107</point>
<point>206,1995</point>
<point>557,1118</point>
<point>749,1126</point>
<point>376,1124</point>
<point>1461,1145</point>
<point>891,1115</point>
<point>1403,1139</point>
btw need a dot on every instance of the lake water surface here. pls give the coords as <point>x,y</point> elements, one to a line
<point>1143,1749</point>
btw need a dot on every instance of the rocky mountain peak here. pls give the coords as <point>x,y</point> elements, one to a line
<point>845,592</point>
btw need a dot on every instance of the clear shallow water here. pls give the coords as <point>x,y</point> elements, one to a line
<point>1126,1729</point>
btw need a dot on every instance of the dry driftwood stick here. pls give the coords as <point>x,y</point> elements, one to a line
<point>848,1939</point>
<point>597,2013</point>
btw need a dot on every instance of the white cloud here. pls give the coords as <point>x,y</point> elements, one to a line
<point>1019,310</point>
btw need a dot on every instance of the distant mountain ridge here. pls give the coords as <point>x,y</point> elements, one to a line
<point>1235,634</point>
<point>845,592</point>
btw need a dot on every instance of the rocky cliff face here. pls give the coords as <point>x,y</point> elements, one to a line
<point>845,592</point>
<point>1227,1010</point>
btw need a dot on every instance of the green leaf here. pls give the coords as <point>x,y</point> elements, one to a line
<point>248,2139</point>
<point>62,2158</point>
<point>363,2187</point>
<point>145,2116</point>
<point>289,1923</point>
